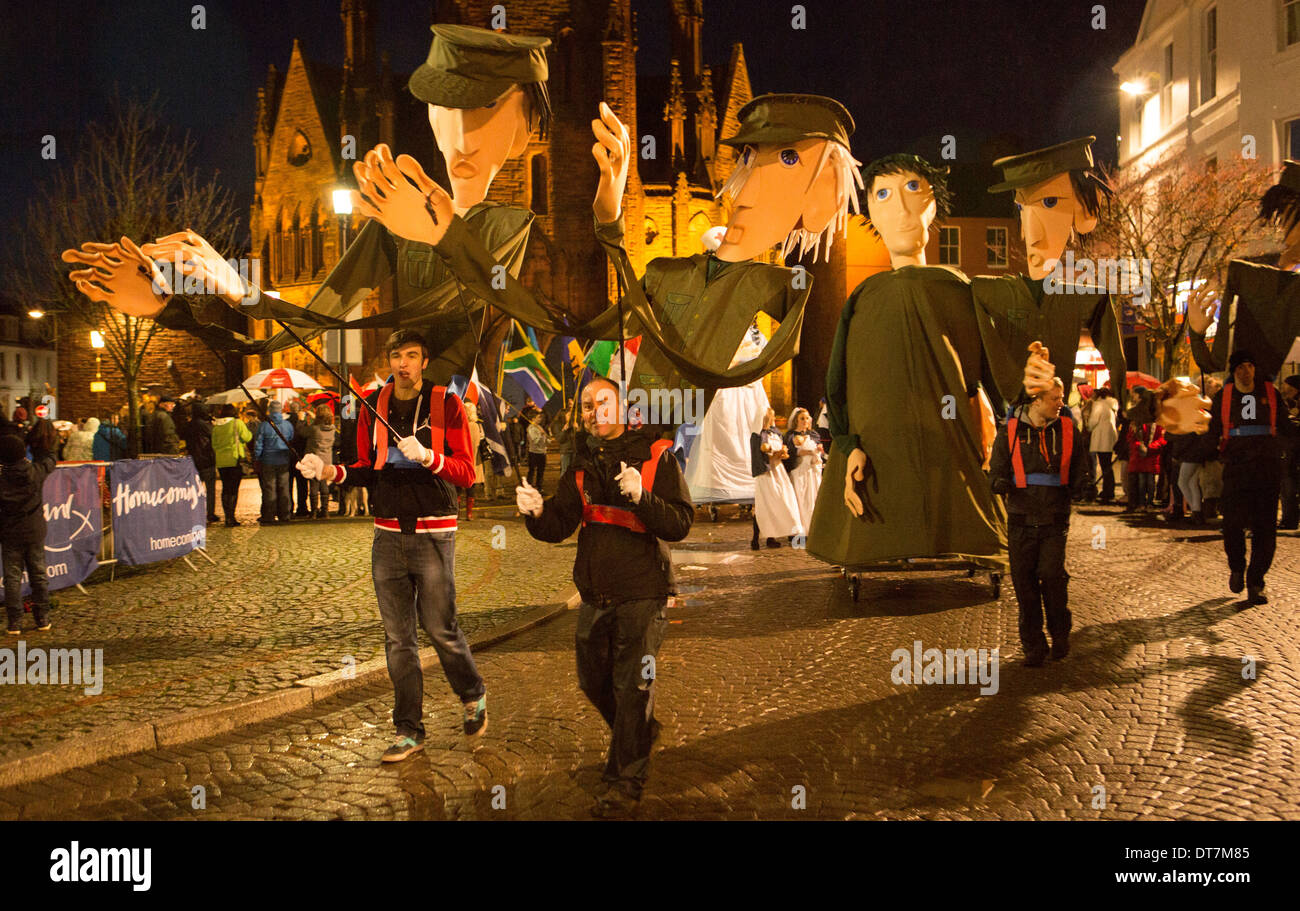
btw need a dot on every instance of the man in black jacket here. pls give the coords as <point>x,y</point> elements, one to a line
<point>1251,423</point>
<point>1039,460</point>
<point>628,494</point>
<point>22,530</point>
<point>198,443</point>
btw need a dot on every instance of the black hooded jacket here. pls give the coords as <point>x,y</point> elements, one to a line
<point>614,563</point>
<point>22,513</point>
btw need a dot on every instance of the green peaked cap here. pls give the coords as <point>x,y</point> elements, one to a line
<point>790,118</point>
<point>1030,168</point>
<point>471,67</point>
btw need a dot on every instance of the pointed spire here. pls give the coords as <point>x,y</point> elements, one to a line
<point>675,112</point>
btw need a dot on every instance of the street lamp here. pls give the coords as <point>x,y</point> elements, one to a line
<point>342,199</point>
<point>96,340</point>
<point>36,313</point>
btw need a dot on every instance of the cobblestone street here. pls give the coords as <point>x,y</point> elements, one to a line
<point>774,690</point>
<point>281,603</point>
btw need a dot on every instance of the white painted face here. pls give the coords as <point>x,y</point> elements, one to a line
<point>477,142</point>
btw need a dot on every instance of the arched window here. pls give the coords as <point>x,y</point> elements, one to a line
<point>277,248</point>
<point>538,202</point>
<point>299,247</point>
<point>651,230</point>
<point>317,240</point>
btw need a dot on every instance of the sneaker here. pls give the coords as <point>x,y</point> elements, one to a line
<point>615,803</point>
<point>404,747</point>
<point>476,717</point>
<point>42,623</point>
<point>1255,594</point>
<point>14,628</point>
<point>1236,581</point>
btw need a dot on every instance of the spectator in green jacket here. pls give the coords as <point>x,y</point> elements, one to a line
<point>230,437</point>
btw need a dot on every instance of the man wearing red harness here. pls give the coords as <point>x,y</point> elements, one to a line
<point>1039,460</point>
<point>627,495</point>
<point>413,556</point>
<point>1244,417</point>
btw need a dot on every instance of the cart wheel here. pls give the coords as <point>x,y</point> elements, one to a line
<point>713,513</point>
<point>855,588</point>
<point>995,580</point>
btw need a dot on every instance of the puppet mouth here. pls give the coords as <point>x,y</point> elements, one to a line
<point>464,169</point>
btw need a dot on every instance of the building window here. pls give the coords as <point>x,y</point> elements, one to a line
<point>1210,75</point>
<point>538,173</point>
<point>996,239</point>
<point>1291,138</point>
<point>950,246</point>
<point>651,231</point>
<point>18,366</point>
<point>1291,21</point>
<point>3,375</point>
<point>299,248</point>
<point>1167,88</point>
<point>317,244</point>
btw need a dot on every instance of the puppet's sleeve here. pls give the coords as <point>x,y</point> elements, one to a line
<point>1105,330</point>
<point>837,401</point>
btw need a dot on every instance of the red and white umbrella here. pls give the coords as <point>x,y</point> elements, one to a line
<point>281,378</point>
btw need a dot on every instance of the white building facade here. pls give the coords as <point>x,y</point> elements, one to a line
<point>1216,77</point>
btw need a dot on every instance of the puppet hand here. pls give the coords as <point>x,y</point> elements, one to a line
<point>187,253</point>
<point>528,500</point>
<point>1201,305</point>
<point>412,449</point>
<point>859,474</point>
<point>1181,408</point>
<point>415,208</point>
<point>629,481</point>
<point>119,275</point>
<point>1038,370</point>
<point>612,150</point>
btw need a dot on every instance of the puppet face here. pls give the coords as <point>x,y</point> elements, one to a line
<point>477,141</point>
<point>778,196</point>
<point>1050,212</point>
<point>407,364</point>
<point>902,208</point>
<point>600,411</point>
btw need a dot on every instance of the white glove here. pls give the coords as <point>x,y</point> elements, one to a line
<point>415,451</point>
<point>313,466</point>
<point>629,481</point>
<point>528,499</point>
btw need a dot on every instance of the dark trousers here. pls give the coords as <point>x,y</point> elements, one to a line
<point>1144,488</point>
<point>1290,492</point>
<point>1042,585</point>
<point>613,642</point>
<point>275,492</point>
<point>415,583</point>
<point>30,557</point>
<point>209,478</point>
<point>1256,509</point>
<point>536,468</point>
<point>231,478</point>
<point>302,490</point>
<point>1107,474</point>
<point>320,495</point>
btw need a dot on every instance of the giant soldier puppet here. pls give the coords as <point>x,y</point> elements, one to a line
<point>905,476</point>
<point>1057,196</point>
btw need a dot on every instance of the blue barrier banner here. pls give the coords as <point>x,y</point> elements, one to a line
<point>160,509</point>
<point>74,526</point>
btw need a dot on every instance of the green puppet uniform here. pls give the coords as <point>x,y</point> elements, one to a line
<point>903,398</point>
<point>1260,314</point>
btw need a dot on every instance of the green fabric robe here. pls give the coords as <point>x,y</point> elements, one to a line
<point>1014,311</point>
<point>1260,314</point>
<point>905,361</point>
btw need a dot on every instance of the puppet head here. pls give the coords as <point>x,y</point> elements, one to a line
<point>795,181</point>
<point>906,195</point>
<point>1057,195</point>
<point>486,93</point>
<point>1281,204</point>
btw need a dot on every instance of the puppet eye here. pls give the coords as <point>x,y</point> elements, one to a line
<point>789,157</point>
<point>882,194</point>
<point>914,185</point>
<point>1049,202</point>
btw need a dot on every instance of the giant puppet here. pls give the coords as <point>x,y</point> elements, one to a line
<point>905,475</point>
<point>486,95</point>
<point>1057,195</point>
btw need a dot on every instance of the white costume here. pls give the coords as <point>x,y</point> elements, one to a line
<point>806,473</point>
<point>775,507</point>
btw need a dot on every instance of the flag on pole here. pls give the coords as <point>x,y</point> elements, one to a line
<point>604,353</point>
<point>489,410</point>
<point>526,366</point>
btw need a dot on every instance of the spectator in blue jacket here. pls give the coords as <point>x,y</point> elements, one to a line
<point>272,454</point>
<point>109,444</point>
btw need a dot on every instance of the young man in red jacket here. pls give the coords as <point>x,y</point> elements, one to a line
<point>415,476</point>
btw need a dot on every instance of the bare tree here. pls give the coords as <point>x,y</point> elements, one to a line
<point>128,176</point>
<point>1186,220</point>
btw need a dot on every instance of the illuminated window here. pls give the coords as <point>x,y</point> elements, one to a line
<point>950,246</point>
<point>996,239</point>
<point>1291,21</point>
<point>1167,88</point>
<point>1210,74</point>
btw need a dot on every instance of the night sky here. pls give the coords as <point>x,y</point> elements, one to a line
<point>1025,73</point>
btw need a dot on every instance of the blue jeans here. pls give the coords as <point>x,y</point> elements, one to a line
<point>275,492</point>
<point>415,583</point>
<point>30,557</point>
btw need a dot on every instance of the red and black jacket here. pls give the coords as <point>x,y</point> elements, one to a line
<point>410,498</point>
<point>1038,469</point>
